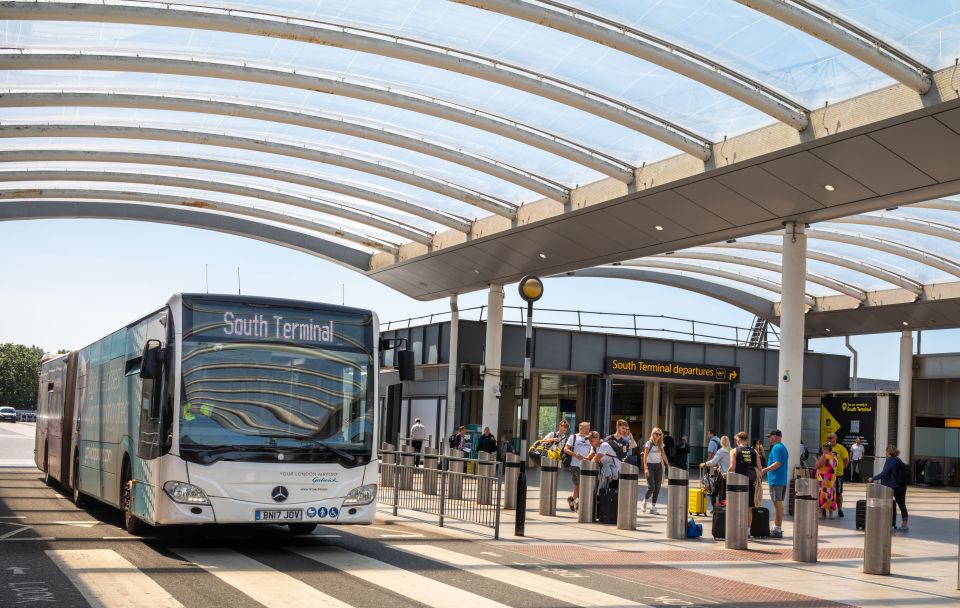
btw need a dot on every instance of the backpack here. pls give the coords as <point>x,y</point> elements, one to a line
<point>618,448</point>
<point>903,474</point>
<point>454,440</point>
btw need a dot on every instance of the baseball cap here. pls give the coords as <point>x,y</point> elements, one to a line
<point>775,432</point>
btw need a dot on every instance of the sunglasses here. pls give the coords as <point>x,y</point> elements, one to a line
<point>657,433</point>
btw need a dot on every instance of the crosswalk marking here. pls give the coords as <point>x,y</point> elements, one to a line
<point>523,579</point>
<point>107,580</point>
<point>403,582</point>
<point>260,582</point>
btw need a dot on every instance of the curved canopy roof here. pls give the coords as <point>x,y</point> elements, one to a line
<point>394,130</point>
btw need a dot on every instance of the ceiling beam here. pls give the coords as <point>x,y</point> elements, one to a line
<point>364,40</point>
<point>260,144</point>
<point>664,53</point>
<point>849,38</point>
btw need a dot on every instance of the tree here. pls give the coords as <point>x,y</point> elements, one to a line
<point>19,374</point>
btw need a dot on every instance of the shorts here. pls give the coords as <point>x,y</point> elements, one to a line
<point>575,475</point>
<point>838,485</point>
<point>777,493</point>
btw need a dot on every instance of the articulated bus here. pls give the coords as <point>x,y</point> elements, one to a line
<point>219,409</point>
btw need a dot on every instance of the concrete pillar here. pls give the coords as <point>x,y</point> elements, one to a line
<point>905,407</point>
<point>453,369</point>
<point>651,406</point>
<point>707,415</point>
<point>491,359</point>
<point>792,310</point>
<point>881,439</point>
<point>670,413</point>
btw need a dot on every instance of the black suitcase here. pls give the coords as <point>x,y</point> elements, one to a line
<point>719,522</point>
<point>791,496</point>
<point>760,522</point>
<point>861,517</point>
<point>607,499</point>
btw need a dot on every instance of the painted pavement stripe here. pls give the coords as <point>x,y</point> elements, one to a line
<point>260,582</point>
<point>504,574</point>
<point>403,582</point>
<point>107,580</point>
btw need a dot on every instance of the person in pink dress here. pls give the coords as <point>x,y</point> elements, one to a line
<point>827,478</point>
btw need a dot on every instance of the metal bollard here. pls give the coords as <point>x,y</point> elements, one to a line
<point>485,468</point>
<point>549,469</point>
<point>511,471</point>
<point>678,500</point>
<point>627,497</point>
<point>805,525</point>
<point>737,511</point>
<point>877,537</point>
<point>406,467</point>
<point>431,464</point>
<point>386,465</point>
<point>455,478</point>
<point>586,512</point>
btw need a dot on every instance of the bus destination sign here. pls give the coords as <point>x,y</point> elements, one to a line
<point>629,366</point>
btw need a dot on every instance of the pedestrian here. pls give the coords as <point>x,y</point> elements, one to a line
<point>826,478</point>
<point>804,454</point>
<point>654,461</point>
<point>668,444</point>
<point>558,436</point>
<point>776,472</point>
<point>418,433</point>
<point>715,468</point>
<point>722,456</point>
<point>488,442</point>
<point>458,441</point>
<point>505,447</point>
<point>757,446</point>
<point>896,476</point>
<point>745,461</point>
<point>683,452</point>
<point>578,448</point>
<point>607,457</point>
<point>623,438</point>
<point>713,443</point>
<point>856,460</point>
<point>843,458</point>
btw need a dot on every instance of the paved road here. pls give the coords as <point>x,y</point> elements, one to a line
<point>16,443</point>
<point>53,554</point>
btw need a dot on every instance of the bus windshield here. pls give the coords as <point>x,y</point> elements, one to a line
<point>268,383</point>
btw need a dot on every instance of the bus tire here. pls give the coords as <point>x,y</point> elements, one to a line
<point>47,479</point>
<point>131,523</point>
<point>302,528</point>
<point>79,499</point>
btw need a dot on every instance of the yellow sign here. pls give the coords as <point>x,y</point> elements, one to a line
<point>671,369</point>
<point>828,424</point>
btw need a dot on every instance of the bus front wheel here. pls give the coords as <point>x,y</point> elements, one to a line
<point>78,498</point>
<point>302,528</point>
<point>131,523</point>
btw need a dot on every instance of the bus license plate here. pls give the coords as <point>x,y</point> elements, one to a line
<point>279,515</point>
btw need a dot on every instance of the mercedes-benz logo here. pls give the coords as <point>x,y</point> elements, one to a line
<point>279,494</point>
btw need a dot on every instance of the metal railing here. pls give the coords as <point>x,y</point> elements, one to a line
<point>449,487</point>
<point>608,322</point>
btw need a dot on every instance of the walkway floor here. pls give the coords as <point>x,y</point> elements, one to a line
<point>924,568</point>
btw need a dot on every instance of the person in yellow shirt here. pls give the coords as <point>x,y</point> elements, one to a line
<point>843,458</point>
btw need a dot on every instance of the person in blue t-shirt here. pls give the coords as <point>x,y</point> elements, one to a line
<point>776,471</point>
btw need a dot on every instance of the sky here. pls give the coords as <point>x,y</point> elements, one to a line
<point>66,283</point>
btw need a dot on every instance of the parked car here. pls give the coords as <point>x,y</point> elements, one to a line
<point>8,414</point>
<point>26,416</point>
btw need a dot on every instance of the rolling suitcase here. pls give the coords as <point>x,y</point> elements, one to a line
<point>760,522</point>
<point>607,506</point>
<point>861,517</point>
<point>719,527</point>
<point>791,496</point>
<point>698,501</point>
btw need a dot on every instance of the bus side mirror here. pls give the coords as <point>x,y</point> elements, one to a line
<point>406,364</point>
<point>151,361</point>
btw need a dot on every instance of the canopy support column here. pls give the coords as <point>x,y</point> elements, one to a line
<point>790,377</point>
<point>491,359</point>
<point>453,369</point>
<point>905,405</point>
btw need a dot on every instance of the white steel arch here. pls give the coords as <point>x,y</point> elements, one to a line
<point>175,181</point>
<point>943,231</point>
<point>291,116</point>
<point>934,261</point>
<point>322,83</point>
<point>374,42</point>
<point>394,172</point>
<point>36,194</point>
<point>849,38</point>
<point>907,283</point>
<point>831,283</point>
<point>667,54</point>
<point>226,166</point>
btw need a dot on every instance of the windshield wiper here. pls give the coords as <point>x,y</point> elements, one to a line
<point>320,443</point>
<point>211,453</point>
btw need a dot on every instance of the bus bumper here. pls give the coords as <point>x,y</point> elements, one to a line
<point>222,510</point>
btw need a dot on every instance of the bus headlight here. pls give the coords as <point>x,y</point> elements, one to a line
<point>363,495</point>
<point>185,493</point>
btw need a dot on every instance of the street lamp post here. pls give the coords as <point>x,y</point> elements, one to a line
<point>531,289</point>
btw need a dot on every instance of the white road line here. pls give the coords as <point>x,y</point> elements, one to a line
<point>260,582</point>
<point>401,535</point>
<point>10,540</point>
<point>13,517</point>
<point>408,584</point>
<point>523,579</point>
<point>107,580</point>
<point>395,531</point>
